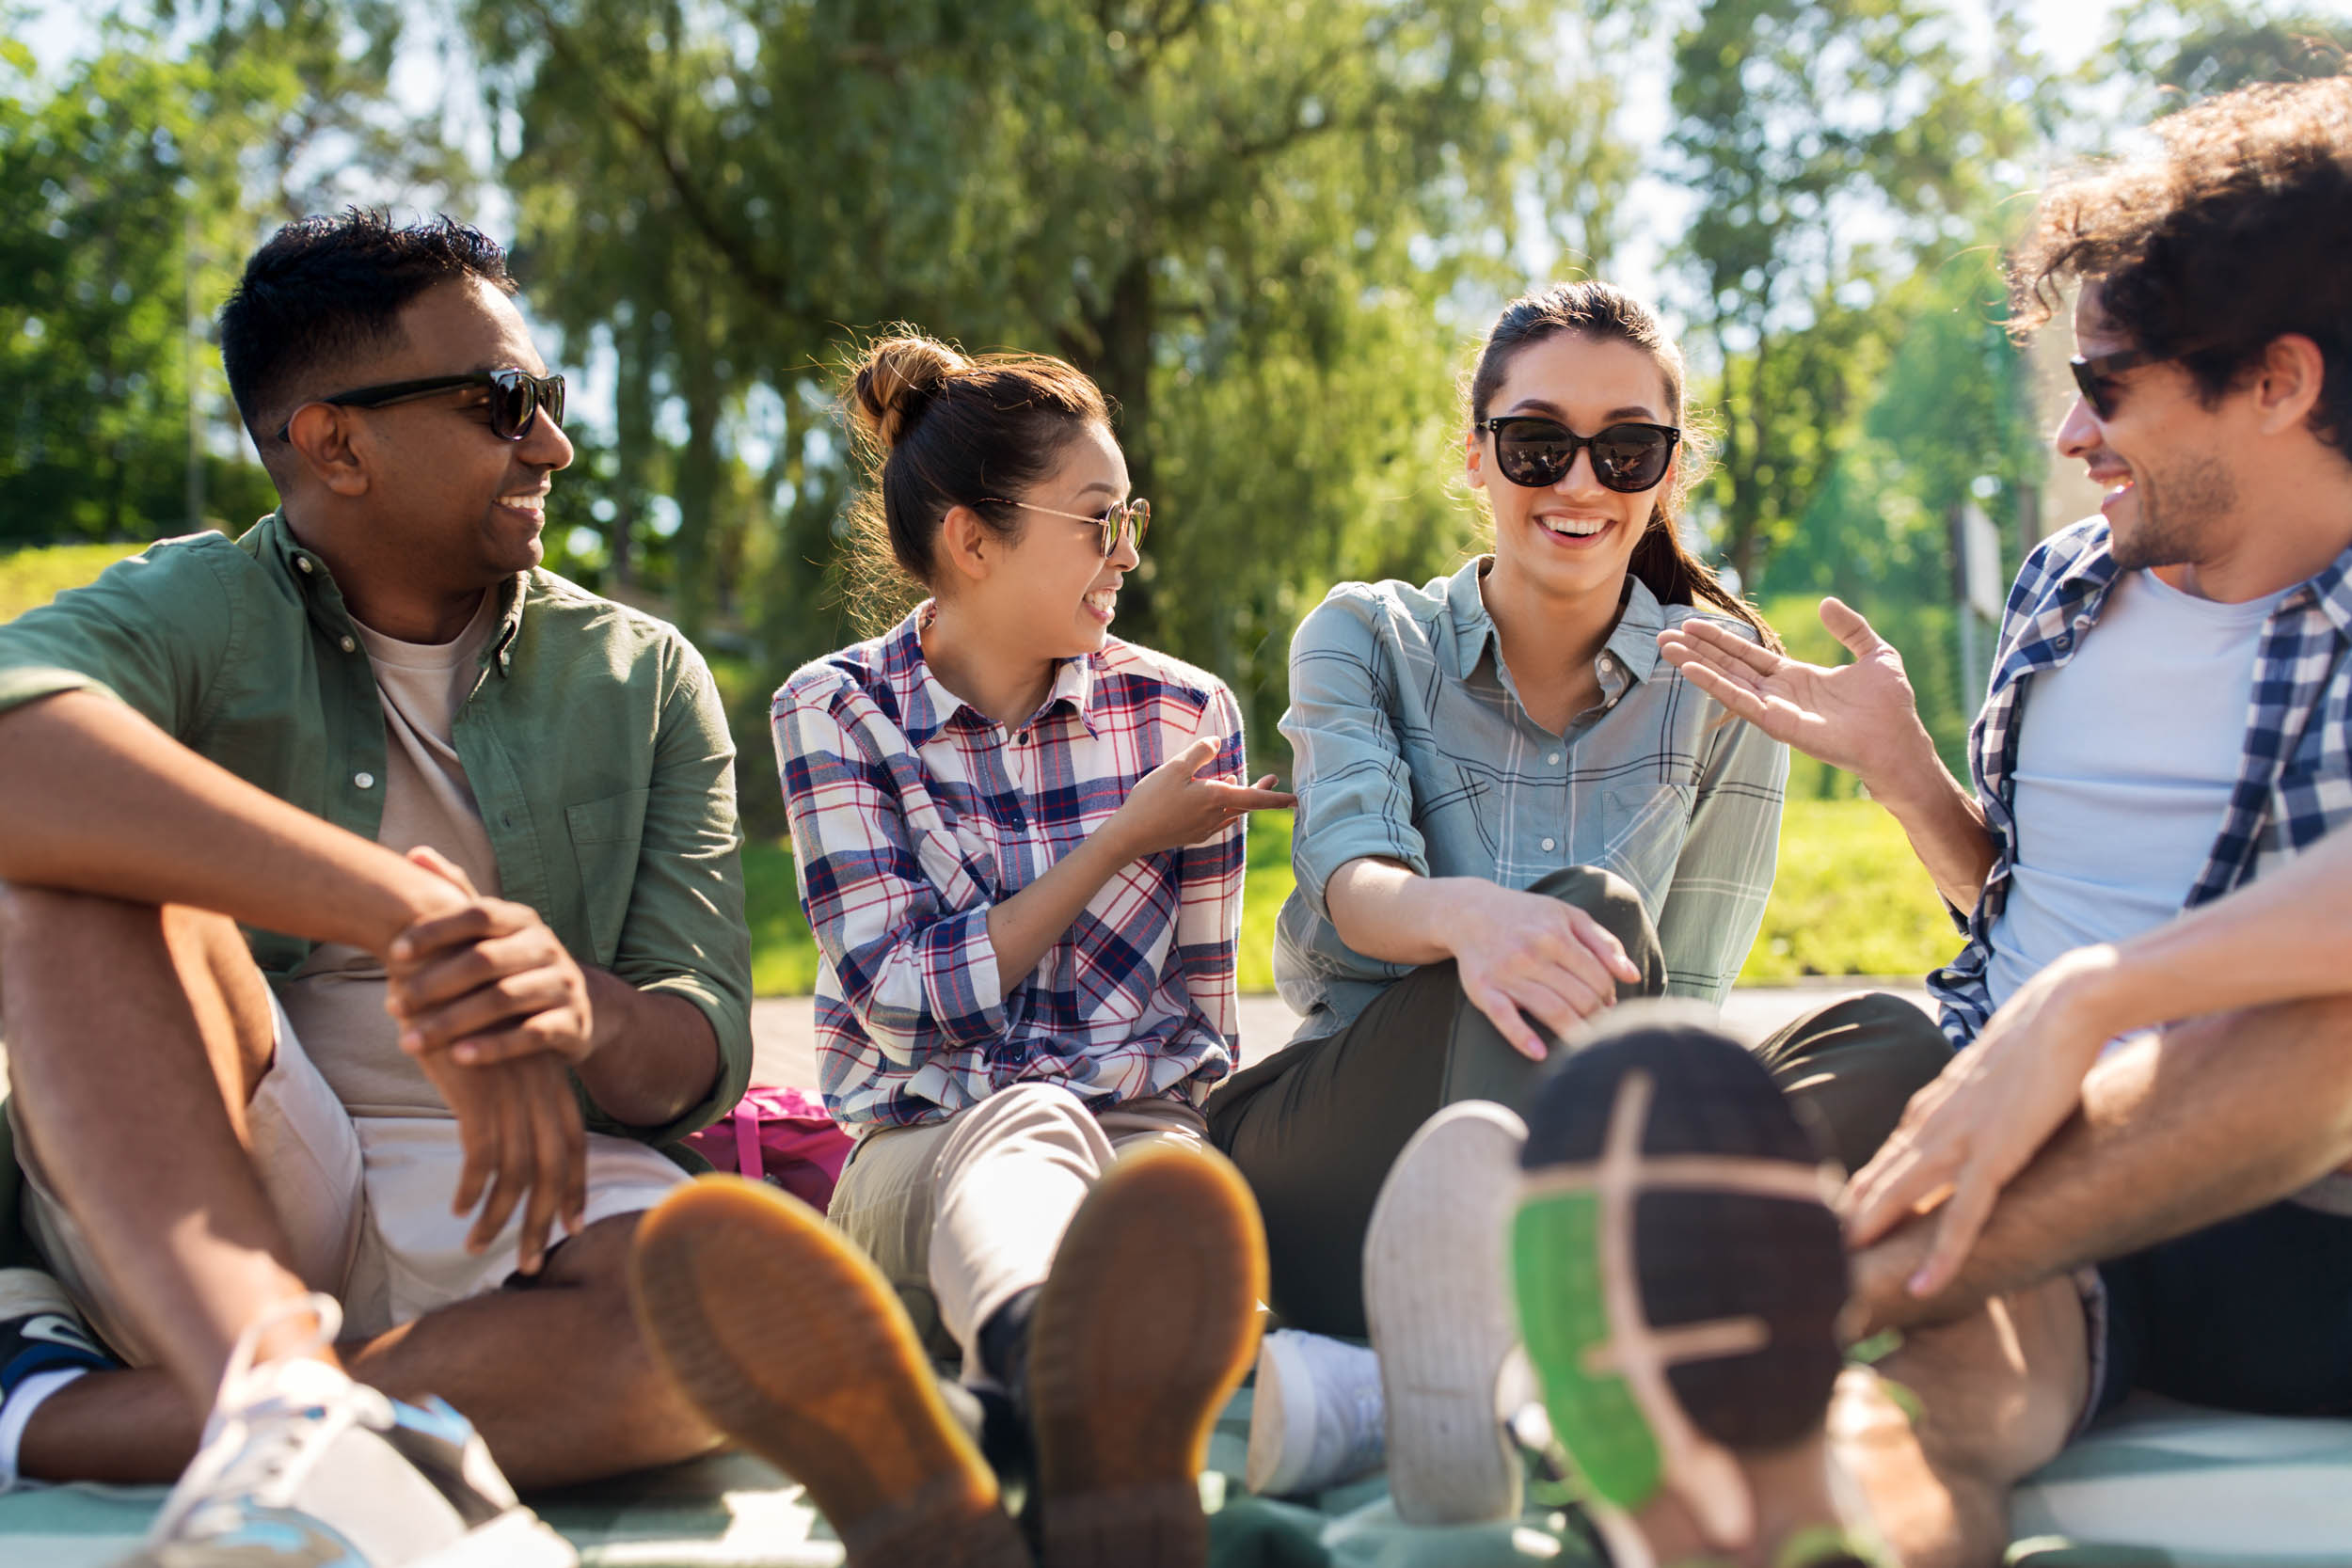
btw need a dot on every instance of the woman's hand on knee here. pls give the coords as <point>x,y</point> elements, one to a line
<point>1527,960</point>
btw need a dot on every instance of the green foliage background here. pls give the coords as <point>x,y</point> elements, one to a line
<point>1273,230</point>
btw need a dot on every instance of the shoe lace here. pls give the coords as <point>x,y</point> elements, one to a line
<point>262,1435</point>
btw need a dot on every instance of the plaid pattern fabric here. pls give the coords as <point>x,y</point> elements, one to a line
<point>912,816</point>
<point>1411,743</point>
<point>2294,785</point>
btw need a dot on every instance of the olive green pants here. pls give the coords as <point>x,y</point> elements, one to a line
<point>1315,1127</point>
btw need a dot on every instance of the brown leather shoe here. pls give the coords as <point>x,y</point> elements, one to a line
<point>1141,1335</point>
<point>789,1340</point>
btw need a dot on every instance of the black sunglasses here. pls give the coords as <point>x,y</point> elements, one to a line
<point>1536,452</point>
<point>2092,377</point>
<point>515,398</point>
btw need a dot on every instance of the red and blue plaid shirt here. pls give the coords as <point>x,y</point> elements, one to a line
<point>912,815</point>
<point>2294,779</point>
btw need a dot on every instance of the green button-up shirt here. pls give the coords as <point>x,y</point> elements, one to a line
<point>594,740</point>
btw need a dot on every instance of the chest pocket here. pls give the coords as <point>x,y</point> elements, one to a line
<point>606,835</point>
<point>1651,824</point>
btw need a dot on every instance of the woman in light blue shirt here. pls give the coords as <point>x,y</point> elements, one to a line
<point>1511,810</point>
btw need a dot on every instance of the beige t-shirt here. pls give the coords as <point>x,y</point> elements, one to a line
<point>336,999</point>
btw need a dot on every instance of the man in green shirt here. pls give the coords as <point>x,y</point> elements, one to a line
<point>351,866</point>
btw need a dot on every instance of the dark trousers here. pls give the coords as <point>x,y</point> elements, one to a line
<point>1315,1127</point>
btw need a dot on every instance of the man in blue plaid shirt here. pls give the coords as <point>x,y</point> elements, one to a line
<point>2131,1173</point>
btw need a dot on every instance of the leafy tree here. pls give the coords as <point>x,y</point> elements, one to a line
<point>135,185</point>
<point>1835,148</point>
<point>1264,229</point>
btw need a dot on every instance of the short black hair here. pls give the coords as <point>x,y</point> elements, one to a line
<point>324,288</point>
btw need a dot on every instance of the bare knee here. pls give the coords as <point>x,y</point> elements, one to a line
<point>1997,1392</point>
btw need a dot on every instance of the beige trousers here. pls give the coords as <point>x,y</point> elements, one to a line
<point>964,1214</point>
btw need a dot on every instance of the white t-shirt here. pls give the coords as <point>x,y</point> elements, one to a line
<point>336,999</point>
<point>2125,766</point>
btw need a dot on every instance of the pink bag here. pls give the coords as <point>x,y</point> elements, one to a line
<point>783,1138</point>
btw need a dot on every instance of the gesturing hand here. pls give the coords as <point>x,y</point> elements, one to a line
<point>1861,717</point>
<point>1172,806</point>
<point>1523,956</point>
<point>1964,1137</point>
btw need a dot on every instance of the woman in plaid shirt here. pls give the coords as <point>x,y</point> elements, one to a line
<point>1020,847</point>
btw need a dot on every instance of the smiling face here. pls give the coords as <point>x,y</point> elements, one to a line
<point>1572,539</point>
<point>2172,492</point>
<point>455,504</point>
<point>1057,594</point>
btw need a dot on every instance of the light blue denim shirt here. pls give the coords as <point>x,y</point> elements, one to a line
<point>1411,743</point>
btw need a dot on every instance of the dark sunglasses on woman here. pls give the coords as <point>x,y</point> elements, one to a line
<point>1537,454</point>
<point>515,398</point>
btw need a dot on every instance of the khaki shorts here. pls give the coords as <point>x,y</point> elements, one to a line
<point>364,1202</point>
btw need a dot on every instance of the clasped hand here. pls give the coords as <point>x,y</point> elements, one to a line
<point>496,1011</point>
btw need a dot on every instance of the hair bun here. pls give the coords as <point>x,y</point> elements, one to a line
<point>896,378</point>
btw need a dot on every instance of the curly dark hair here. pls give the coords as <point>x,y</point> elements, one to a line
<point>2238,234</point>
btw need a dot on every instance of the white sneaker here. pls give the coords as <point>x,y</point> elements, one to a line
<point>1314,1419</point>
<point>301,1467</point>
<point>1438,1296</point>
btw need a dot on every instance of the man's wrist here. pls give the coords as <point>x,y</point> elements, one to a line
<point>1915,781</point>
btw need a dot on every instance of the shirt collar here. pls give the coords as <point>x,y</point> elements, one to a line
<point>925,706</point>
<point>2332,589</point>
<point>1633,641</point>
<point>272,540</point>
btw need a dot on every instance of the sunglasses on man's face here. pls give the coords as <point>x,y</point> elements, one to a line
<point>1537,454</point>
<point>1133,515</point>
<point>2095,377</point>
<point>516,398</point>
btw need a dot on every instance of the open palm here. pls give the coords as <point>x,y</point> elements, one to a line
<point>1861,717</point>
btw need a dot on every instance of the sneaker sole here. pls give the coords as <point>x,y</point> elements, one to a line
<point>1677,1270</point>
<point>1141,1333</point>
<point>789,1340</point>
<point>1439,1303</point>
<point>1282,1401</point>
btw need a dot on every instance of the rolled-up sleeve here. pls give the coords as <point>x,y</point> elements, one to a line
<point>1354,793</point>
<point>1209,877</point>
<point>918,974</point>
<point>685,933</point>
<point>1723,876</point>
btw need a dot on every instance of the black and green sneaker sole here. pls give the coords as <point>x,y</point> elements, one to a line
<point>1677,1272</point>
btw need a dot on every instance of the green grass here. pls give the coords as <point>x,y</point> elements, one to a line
<point>31,578</point>
<point>1850,900</point>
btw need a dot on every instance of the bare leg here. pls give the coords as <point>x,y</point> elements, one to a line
<point>2218,1117</point>
<point>1997,1392</point>
<point>2214,1119</point>
<point>102,995</point>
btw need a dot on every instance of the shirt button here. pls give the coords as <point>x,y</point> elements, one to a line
<point>365,781</point>
<point>1547,844</point>
<point>1608,661</point>
<point>1553,759</point>
<point>350,645</point>
<point>302,562</point>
